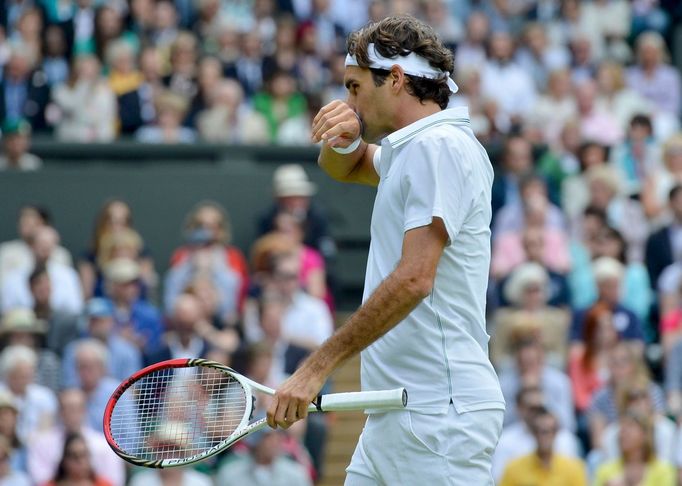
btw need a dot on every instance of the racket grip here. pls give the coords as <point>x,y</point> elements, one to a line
<point>384,399</point>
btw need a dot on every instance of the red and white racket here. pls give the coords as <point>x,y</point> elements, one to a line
<point>181,411</point>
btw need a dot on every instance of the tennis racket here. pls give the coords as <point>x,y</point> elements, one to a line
<point>181,411</point>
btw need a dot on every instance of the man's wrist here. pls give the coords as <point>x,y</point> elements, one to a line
<point>350,149</point>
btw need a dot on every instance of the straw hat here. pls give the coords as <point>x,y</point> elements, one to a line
<point>522,276</point>
<point>292,180</point>
<point>22,320</point>
<point>606,268</point>
<point>122,270</point>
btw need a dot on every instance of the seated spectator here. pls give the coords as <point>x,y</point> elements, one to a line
<point>184,337</point>
<point>637,462</point>
<point>228,119</point>
<point>9,415</point>
<point>279,102</point>
<point>45,448</point>
<point>23,92</point>
<point>534,210</point>
<point>170,476</point>
<point>554,109</point>
<point>544,466</point>
<point>517,161</point>
<point>638,156</point>
<point>610,246</point>
<point>61,327</point>
<point>10,475</point>
<point>170,109</point>
<point>636,399</point>
<point>616,97</point>
<point>653,77</point>
<point>114,237</point>
<point>560,160</point>
<point>124,357</point>
<point>587,364</point>
<point>21,327</point>
<point>596,123</point>
<point>625,365</point>
<point>517,439</point>
<point>66,293</point>
<point>266,456</point>
<point>91,363</point>
<point>16,139</point>
<point>530,369</point>
<point>137,321</point>
<point>84,108</point>
<point>75,466</point>
<point>211,217</point>
<point>575,196</point>
<point>526,290</point>
<point>16,254</point>
<point>658,185</point>
<point>609,277</point>
<point>55,58</point>
<point>37,404</point>
<point>136,108</point>
<point>123,74</point>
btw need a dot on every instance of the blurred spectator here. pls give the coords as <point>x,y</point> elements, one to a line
<point>137,321</point>
<point>529,369</point>
<point>81,26</point>
<point>635,292</point>
<point>539,57</point>
<point>263,465</point>
<point>673,378</point>
<point>228,119</point>
<point>625,366</point>
<point>209,76</point>
<point>124,358</point>
<point>164,28</point>
<point>91,362</point>
<point>137,108</point>
<point>20,327</point>
<point>123,74</point>
<point>584,56</point>
<point>66,295</point>
<point>75,466</point>
<point>449,27</point>
<point>554,108</point>
<point>575,194</point>
<point>527,291</point>
<point>248,66</point>
<point>615,97</point>
<point>608,274</point>
<point>658,186</point>
<point>544,466</point>
<point>9,415</point>
<point>182,79</point>
<point>279,102</point>
<point>517,161</point>
<point>560,160</point>
<point>637,463</point>
<point>501,69</point>
<point>24,90</point>
<point>114,237</point>
<point>653,77</point>
<point>588,364</point>
<point>311,67</point>
<point>55,60</point>
<point>9,475</point>
<point>471,52</point>
<point>638,156</point>
<point>517,439</point>
<point>170,477</point>
<point>184,338</point>
<point>16,140</point>
<point>84,108</point>
<point>293,191</point>
<point>609,20</point>
<point>285,53</point>
<point>45,448</point>
<point>170,109</point>
<point>37,404</point>
<point>208,226</point>
<point>596,123</point>
<point>335,89</point>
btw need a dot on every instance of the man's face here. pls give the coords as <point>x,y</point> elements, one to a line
<point>370,102</point>
<point>545,430</point>
<point>16,145</point>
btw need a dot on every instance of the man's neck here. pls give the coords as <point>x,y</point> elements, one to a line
<point>545,458</point>
<point>413,111</point>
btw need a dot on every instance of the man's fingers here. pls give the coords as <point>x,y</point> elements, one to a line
<point>271,413</point>
<point>331,119</point>
<point>302,411</point>
<point>340,136</point>
<point>326,109</point>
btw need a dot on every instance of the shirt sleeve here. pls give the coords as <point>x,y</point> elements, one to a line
<point>376,160</point>
<point>436,182</point>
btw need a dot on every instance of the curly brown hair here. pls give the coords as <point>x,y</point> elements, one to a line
<point>399,36</point>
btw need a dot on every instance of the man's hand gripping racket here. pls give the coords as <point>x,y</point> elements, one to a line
<point>181,411</point>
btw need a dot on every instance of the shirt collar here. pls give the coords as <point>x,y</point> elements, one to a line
<point>452,116</point>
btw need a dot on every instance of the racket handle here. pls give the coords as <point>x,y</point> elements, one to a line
<point>338,402</point>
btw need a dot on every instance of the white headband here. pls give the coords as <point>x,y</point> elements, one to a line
<point>412,64</point>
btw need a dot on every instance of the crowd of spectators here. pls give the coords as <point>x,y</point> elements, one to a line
<point>580,107</point>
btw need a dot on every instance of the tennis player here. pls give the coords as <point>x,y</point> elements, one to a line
<point>421,325</point>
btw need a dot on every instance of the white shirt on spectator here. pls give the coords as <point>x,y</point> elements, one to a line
<point>37,409</point>
<point>189,478</point>
<point>17,255</point>
<point>66,295</point>
<point>307,319</point>
<point>518,95</point>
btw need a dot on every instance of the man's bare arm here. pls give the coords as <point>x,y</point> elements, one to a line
<point>337,125</point>
<point>391,302</point>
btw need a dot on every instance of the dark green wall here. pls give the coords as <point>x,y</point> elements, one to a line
<point>163,183</point>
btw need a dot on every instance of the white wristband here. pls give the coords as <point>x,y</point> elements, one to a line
<point>347,150</point>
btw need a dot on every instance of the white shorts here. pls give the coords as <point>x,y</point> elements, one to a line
<point>407,448</point>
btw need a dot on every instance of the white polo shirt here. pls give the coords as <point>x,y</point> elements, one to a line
<point>439,353</point>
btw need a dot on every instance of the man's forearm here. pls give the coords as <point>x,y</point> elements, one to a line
<point>390,303</point>
<point>340,166</point>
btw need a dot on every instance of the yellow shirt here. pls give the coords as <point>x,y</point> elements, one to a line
<point>530,471</point>
<point>658,473</point>
<point>124,83</point>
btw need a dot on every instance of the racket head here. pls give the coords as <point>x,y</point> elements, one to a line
<point>178,412</point>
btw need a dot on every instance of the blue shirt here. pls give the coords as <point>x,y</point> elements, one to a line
<point>625,321</point>
<point>15,98</point>
<point>145,320</point>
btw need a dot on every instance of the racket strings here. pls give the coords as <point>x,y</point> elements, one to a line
<point>177,413</point>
